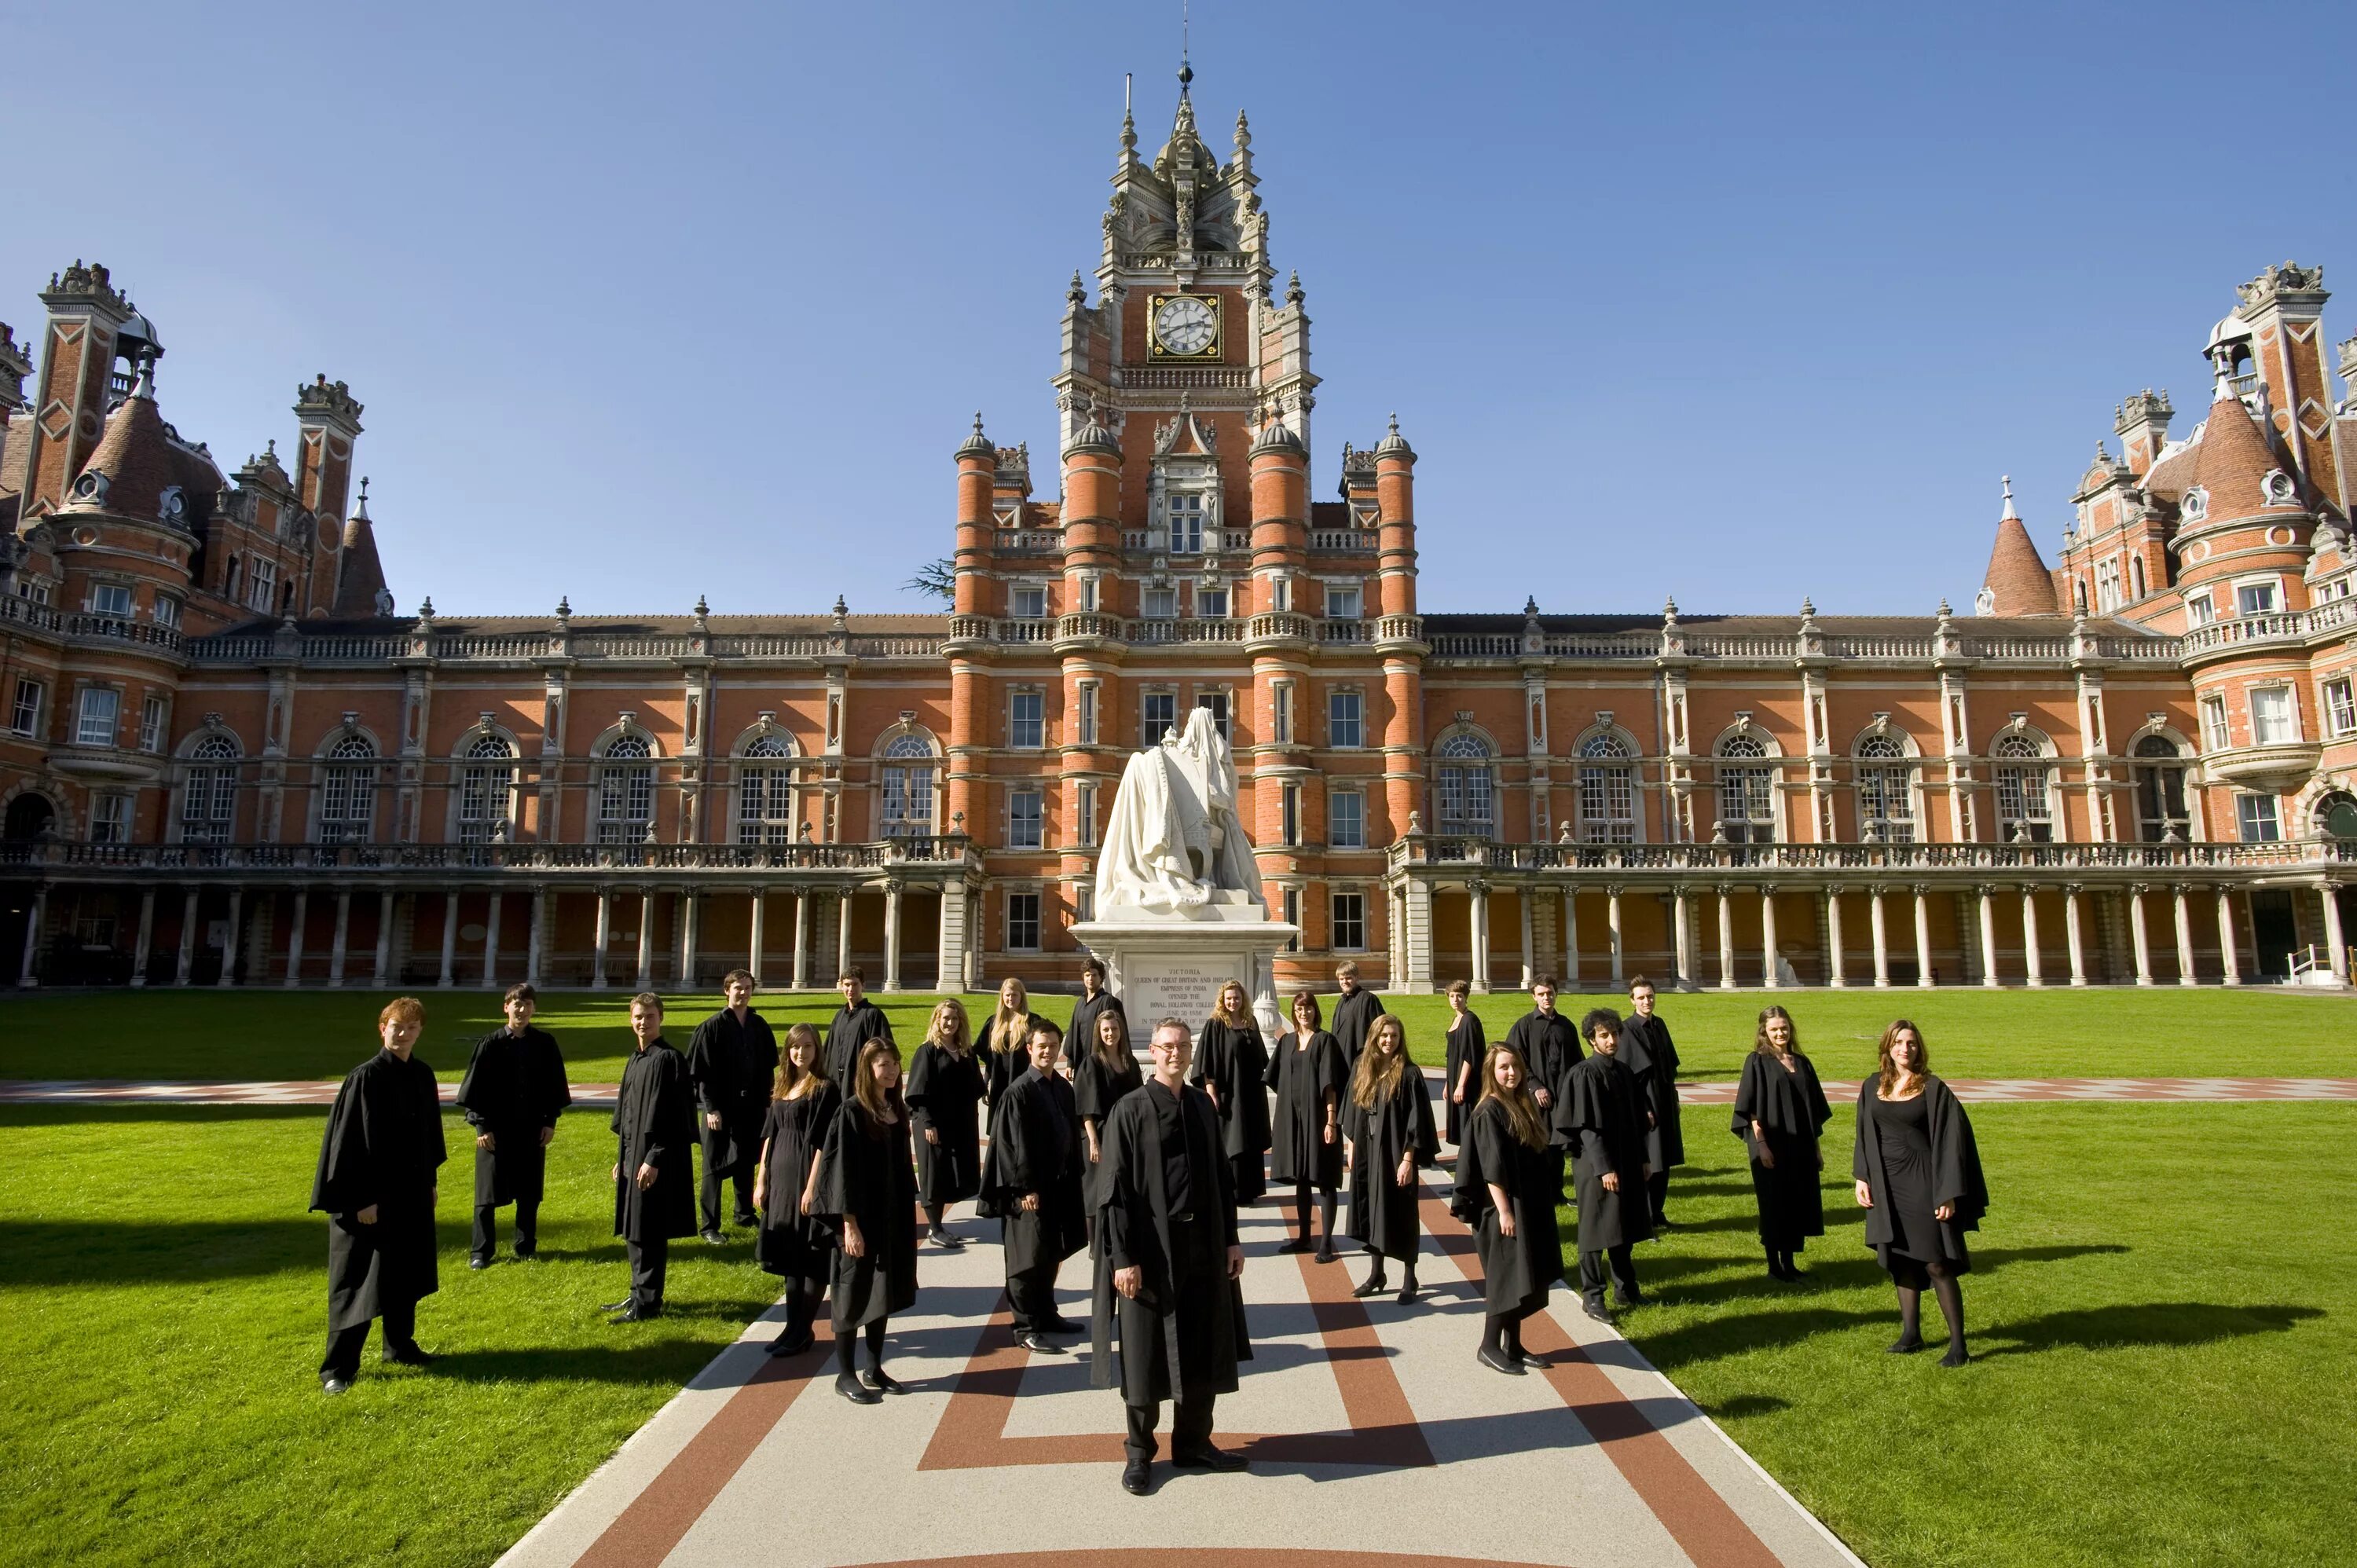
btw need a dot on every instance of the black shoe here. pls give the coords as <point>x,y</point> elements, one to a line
<point>1295,1244</point>
<point>620,1305</point>
<point>1032,1340</point>
<point>1628,1298</point>
<point>1905,1345</point>
<point>1134,1478</point>
<point>943,1238</point>
<point>1595,1309</point>
<point>1374,1286</point>
<point>1525,1359</point>
<point>1063,1325</point>
<point>332,1386</point>
<point>410,1355</point>
<point>1664,1222</point>
<point>1217,1459</point>
<point>479,1262</point>
<point>526,1251</point>
<point>1498,1362</point>
<point>715,1236</point>
<point>882,1382</point>
<point>1776,1271</point>
<point>854,1391</point>
<point>633,1313</point>
<point>1956,1356</point>
<point>749,1220</point>
<point>1407,1292</point>
<point>1325,1253</point>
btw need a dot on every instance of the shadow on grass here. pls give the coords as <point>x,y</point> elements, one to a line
<point>1825,1269</point>
<point>669,1362</point>
<point>2164,1323</point>
<point>70,1112</point>
<point>187,1252</point>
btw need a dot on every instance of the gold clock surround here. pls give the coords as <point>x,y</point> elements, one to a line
<point>1157,350</point>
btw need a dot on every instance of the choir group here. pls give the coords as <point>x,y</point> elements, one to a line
<point>834,1152</point>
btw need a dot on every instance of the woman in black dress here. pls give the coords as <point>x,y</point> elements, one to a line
<point>1461,1080</point>
<point>1005,1044</point>
<point>1229,1066</point>
<point>1779,1109</point>
<point>1919,1179</point>
<point>945,1087</point>
<point>1107,1070</point>
<point>1305,1069</point>
<point>1387,1126</point>
<point>1508,1186</point>
<point>867,1186</point>
<point>791,1244</point>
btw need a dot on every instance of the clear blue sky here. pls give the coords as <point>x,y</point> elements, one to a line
<point>1742,303</point>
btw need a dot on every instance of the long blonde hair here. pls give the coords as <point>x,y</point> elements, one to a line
<point>1002,1020</point>
<point>790,1076</point>
<point>1377,1077</point>
<point>1242,1017</point>
<point>1522,1118</point>
<point>961,1039</point>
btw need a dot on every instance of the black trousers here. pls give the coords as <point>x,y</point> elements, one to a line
<point>648,1259</point>
<point>1624,1267</point>
<point>1190,1425</point>
<point>715,1155</point>
<point>1031,1297</point>
<point>342,1360</point>
<point>487,1228</point>
<point>1657,1191</point>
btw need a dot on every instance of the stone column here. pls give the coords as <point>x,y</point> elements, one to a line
<point>892,934</point>
<point>1922,937</point>
<point>646,980</point>
<point>951,942</point>
<point>1682,925</point>
<point>26,963</point>
<point>1477,904</point>
<point>1612,934</point>
<point>2185,971</point>
<point>2229,950</point>
<point>491,939</point>
<point>802,939</point>
<point>385,900</point>
<point>2143,938</point>
<point>972,979</point>
<point>1880,921</point>
<point>449,939</point>
<point>147,936</point>
<point>605,937</point>
<point>339,950</point>
<point>1834,975</point>
<point>229,944</point>
<point>2332,935</point>
<point>843,935</point>
<point>2033,966</point>
<point>536,948</point>
<point>1726,937</point>
<point>1570,938</point>
<point>761,910</point>
<point>2071,931</point>
<point>188,936</point>
<point>1768,939</point>
<point>1988,939</point>
<point>1530,942</point>
<point>294,938</point>
<point>691,910</point>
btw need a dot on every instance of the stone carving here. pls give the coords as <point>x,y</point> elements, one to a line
<point>1173,838</point>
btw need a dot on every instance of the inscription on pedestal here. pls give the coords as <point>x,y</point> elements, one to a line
<point>1175,989</point>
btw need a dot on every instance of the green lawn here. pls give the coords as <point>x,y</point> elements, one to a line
<point>208,1034</point>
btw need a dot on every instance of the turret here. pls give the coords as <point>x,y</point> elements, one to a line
<point>1280,514</point>
<point>2017,582</point>
<point>73,392</point>
<point>1395,527</point>
<point>328,423</point>
<point>977,465</point>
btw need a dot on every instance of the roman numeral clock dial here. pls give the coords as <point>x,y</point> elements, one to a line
<point>1183,326</point>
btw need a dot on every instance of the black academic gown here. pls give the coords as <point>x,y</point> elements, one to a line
<point>654,1120</point>
<point>1791,1107</point>
<point>945,1096</point>
<point>1517,1271</point>
<point>1035,1147</point>
<point>1304,1076</point>
<point>1549,1043</point>
<point>732,1066</point>
<point>1184,1331</point>
<point>1468,1043</point>
<point>1652,1056</point>
<point>514,1090</point>
<point>791,1244</point>
<point>1954,1178</point>
<point>1383,1213</point>
<point>382,1148</point>
<point>1081,1038</point>
<point>1236,1061</point>
<point>867,1176</point>
<point>1003,1060</point>
<point>1353,1015</point>
<point>1601,1116</point>
<point>1096,1089</point>
<point>851,1028</point>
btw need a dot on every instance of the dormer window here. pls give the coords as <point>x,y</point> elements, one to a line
<point>2196,505</point>
<point>2277,488</point>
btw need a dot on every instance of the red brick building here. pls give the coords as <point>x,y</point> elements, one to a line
<point>228,760</point>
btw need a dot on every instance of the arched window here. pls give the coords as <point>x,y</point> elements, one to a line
<point>2023,804</point>
<point>1886,791</point>
<point>209,799</point>
<point>486,789</point>
<point>626,790</point>
<point>765,791</point>
<point>1468,784</point>
<point>1607,791</point>
<point>2136,576</point>
<point>2159,790</point>
<point>347,792</point>
<point>909,766</point>
<point>2336,815</point>
<point>1746,790</point>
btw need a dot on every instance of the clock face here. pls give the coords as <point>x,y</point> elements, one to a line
<point>1187,326</point>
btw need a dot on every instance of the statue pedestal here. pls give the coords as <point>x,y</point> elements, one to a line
<point>1171,964</point>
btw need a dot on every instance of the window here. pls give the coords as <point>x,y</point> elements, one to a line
<point>1350,921</point>
<point>626,790</point>
<point>1341,602</point>
<point>151,724</point>
<point>109,819</point>
<point>26,718</point>
<point>1185,509</point>
<point>1160,604</point>
<point>2254,598</point>
<point>2107,585</point>
<point>102,706</point>
<point>1280,594</point>
<point>1280,713</point>
<point>2214,736</point>
<point>1289,803</point>
<point>2339,708</point>
<point>262,585</point>
<point>209,802</point>
<point>2201,609</point>
<point>347,792</point>
<point>1027,722</point>
<point>1885,794</point>
<point>1023,922</point>
<point>1085,720</point>
<point>2022,805</point>
<point>1086,587</point>
<point>2136,576</point>
<point>1291,903</point>
<point>2159,788</point>
<point>1218,702</point>
<point>909,770</point>
<point>486,786</point>
<point>1345,720</point>
<point>111,599</point>
<point>1085,807</point>
<point>1346,819</point>
<point>1607,791</point>
<point>2336,815</point>
<point>36,589</point>
<point>229,578</point>
<point>1212,603</point>
<point>2274,721</point>
<point>1028,601</point>
<point>1157,716</point>
<point>1023,825</point>
<point>168,610</point>
<point>2257,816</point>
<point>1746,790</point>
<point>1467,786</point>
<point>1084,900</point>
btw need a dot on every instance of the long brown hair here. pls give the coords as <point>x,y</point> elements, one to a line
<point>1760,1041</point>
<point>1002,1021</point>
<point>1377,1077</point>
<point>1241,1018</point>
<point>1115,1057</point>
<point>789,1075</point>
<point>1523,1117</point>
<point>877,1101</point>
<point>1293,1013</point>
<point>965,1034</point>
<point>1889,1068</point>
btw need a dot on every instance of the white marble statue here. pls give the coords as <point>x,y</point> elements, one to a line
<point>1173,838</point>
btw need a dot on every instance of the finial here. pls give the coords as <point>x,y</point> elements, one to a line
<point>270,449</point>
<point>701,609</point>
<point>1945,613</point>
<point>1670,608</point>
<point>1186,71</point>
<point>1078,294</point>
<point>1396,423</point>
<point>564,607</point>
<point>2007,483</point>
<point>1808,608</point>
<point>360,509</point>
<point>1293,289</point>
<point>1244,131</point>
<point>841,609</point>
<point>1531,604</point>
<point>146,385</point>
<point>977,422</point>
<point>425,608</point>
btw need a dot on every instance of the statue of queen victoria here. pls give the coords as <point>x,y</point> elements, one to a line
<point>1174,838</point>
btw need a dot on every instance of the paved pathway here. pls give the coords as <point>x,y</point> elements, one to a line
<point>1373,1434</point>
<point>306,1091</point>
